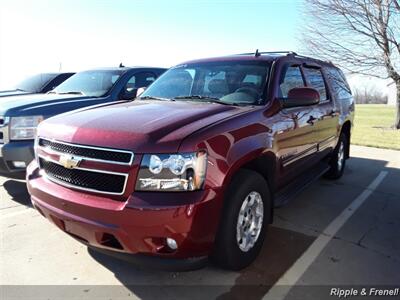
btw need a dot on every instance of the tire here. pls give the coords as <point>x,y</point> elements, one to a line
<point>229,252</point>
<point>338,159</point>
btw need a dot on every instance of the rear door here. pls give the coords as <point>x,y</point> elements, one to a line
<point>326,114</point>
<point>295,138</point>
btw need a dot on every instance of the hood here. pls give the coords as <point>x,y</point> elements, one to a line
<point>27,104</point>
<point>140,126</point>
<point>13,93</point>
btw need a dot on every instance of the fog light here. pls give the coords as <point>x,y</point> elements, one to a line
<point>19,164</point>
<point>172,244</point>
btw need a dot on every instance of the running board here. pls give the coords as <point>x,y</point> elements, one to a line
<point>300,183</point>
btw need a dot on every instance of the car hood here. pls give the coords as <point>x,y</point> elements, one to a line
<point>22,104</point>
<point>140,126</point>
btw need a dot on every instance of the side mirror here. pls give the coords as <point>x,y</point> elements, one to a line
<point>140,91</point>
<point>303,96</point>
<point>129,94</point>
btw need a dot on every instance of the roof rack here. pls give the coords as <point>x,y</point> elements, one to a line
<point>312,58</point>
<point>292,53</point>
<point>258,53</point>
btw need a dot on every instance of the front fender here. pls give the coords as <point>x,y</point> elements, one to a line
<point>229,151</point>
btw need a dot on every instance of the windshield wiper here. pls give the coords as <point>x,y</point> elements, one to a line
<point>155,98</point>
<point>205,98</point>
<point>71,93</point>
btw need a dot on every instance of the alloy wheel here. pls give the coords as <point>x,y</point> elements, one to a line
<point>250,221</point>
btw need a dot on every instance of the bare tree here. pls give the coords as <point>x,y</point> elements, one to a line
<point>361,36</point>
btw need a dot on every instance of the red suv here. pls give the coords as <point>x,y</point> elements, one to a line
<point>195,166</point>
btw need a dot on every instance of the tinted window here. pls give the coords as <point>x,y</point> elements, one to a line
<point>35,83</point>
<point>138,80</point>
<point>89,83</point>
<point>230,82</point>
<point>316,80</point>
<point>340,87</point>
<point>292,78</point>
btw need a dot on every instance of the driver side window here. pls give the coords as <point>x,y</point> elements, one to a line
<point>292,79</point>
<point>138,80</point>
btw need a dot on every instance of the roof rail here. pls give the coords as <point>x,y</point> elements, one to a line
<point>258,53</point>
<point>292,53</point>
<point>313,58</point>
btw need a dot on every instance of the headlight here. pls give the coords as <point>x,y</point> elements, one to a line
<point>24,128</point>
<point>172,172</point>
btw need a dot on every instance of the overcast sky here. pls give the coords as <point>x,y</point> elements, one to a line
<point>44,36</point>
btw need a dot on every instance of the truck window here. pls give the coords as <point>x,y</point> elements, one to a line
<point>138,80</point>
<point>291,79</point>
<point>340,87</point>
<point>316,80</point>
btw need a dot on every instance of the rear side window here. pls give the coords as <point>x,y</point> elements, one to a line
<point>316,80</point>
<point>340,87</point>
<point>292,78</point>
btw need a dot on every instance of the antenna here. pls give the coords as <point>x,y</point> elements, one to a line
<point>257,54</point>
<point>121,65</point>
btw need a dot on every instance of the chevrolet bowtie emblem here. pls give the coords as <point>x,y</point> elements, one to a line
<point>69,162</point>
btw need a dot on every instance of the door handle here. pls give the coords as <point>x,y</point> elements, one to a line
<point>333,113</point>
<point>311,120</point>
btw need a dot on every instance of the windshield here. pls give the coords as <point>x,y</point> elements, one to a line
<point>34,84</point>
<point>232,82</point>
<point>89,83</point>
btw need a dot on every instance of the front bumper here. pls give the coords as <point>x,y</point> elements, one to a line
<point>133,226</point>
<point>22,151</point>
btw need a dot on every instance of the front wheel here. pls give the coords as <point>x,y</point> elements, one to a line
<point>338,159</point>
<point>247,212</point>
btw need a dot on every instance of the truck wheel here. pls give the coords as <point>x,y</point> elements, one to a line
<point>245,216</point>
<point>338,159</point>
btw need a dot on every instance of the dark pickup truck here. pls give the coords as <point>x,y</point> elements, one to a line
<point>194,167</point>
<point>37,84</point>
<point>20,115</point>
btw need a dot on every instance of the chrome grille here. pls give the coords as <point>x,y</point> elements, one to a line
<point>94,153</point>
<point>4,130</point>
<point>84,179</point>
<point>51,157</point>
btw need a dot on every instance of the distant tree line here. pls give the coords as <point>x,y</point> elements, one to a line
<point>369,95</point>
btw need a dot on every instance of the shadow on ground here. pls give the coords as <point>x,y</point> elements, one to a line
<point>17,191</point>
<point>279,253</point>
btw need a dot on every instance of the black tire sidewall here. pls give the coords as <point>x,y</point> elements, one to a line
<point>334,172</point>
<point>228,253</point>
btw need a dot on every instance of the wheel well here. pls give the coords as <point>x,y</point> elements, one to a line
<point>265,165</point>
<point>346,129</point>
